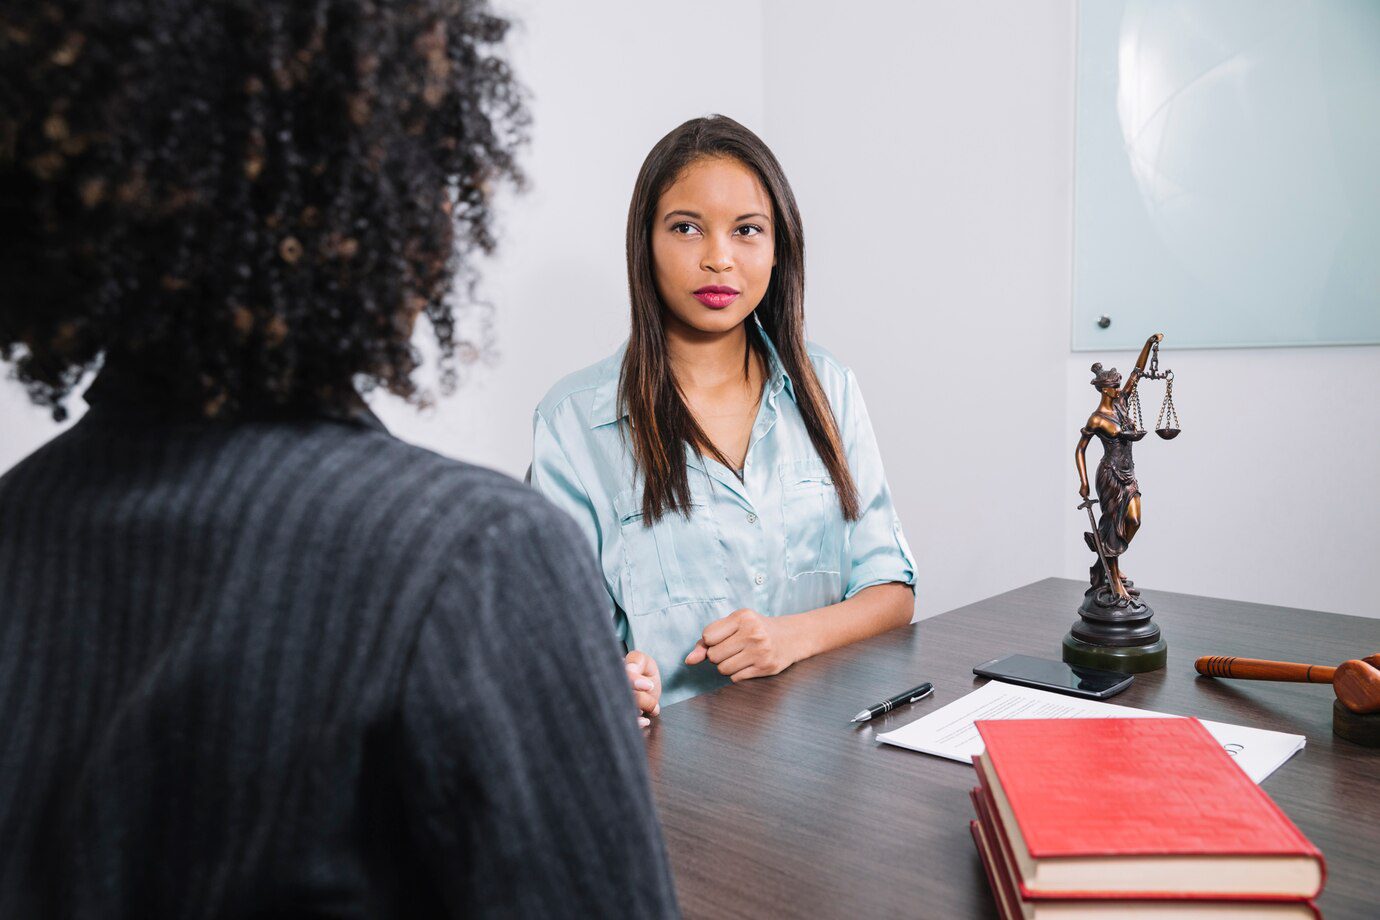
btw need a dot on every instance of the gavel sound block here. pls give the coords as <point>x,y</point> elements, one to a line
<point>1356,683</point>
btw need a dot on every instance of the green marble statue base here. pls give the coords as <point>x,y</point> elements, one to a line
<point>1130,659</point>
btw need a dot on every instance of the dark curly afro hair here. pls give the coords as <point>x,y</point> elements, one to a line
<point>250,200</point>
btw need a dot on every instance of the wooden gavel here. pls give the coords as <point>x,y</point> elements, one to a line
<point>1356,682</point>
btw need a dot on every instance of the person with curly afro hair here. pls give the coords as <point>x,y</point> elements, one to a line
<point>258,657</point>
<point>251,202</point>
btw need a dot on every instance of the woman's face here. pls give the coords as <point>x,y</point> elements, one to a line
<point>712,245</point>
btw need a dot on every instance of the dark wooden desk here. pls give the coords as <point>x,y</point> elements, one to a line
<point>774,806</point>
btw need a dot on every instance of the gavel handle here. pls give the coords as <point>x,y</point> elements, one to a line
<point>1256,669</point>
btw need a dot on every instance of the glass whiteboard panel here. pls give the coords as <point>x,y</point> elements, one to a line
<point>1227,183</point>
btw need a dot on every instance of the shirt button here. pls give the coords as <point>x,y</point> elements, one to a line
<point>759,578</point>
<point>752,518</point>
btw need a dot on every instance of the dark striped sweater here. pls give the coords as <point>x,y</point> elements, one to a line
<point>299,668</point>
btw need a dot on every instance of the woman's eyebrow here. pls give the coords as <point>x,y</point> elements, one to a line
<point>695,215</point>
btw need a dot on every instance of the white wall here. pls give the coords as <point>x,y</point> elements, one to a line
<point>931,148</point>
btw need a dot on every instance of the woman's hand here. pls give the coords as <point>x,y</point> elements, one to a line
<point>746,644</point>
<point>645,678</point>
<point>1083,491</point>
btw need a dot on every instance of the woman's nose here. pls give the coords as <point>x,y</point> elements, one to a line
<point>716,259</point>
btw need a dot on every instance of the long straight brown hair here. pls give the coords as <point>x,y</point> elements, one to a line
<point>662,424</point>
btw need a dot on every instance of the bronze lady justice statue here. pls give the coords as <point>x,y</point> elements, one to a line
<point>1115,631</point>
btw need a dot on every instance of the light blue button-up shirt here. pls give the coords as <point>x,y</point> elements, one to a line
<point>775,542</point>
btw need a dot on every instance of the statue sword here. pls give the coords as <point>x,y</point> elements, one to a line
<point>1097,541</point>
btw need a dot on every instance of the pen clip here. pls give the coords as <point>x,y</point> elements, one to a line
<point>920,696</point>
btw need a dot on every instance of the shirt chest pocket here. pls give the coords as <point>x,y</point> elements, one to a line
<point>677,560</point>
<point>814,524</point>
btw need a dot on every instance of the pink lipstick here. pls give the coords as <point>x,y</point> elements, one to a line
<point>716,296</point>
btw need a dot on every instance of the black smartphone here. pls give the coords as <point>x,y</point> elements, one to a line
<point>1055,675</point>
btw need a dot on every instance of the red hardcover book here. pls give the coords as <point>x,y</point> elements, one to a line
<point>1137,808</point>
<point>1011,906</point>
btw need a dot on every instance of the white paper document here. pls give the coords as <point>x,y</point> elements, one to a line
<point>950,732</point>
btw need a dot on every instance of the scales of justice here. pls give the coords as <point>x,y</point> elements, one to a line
<point>1114,631</point>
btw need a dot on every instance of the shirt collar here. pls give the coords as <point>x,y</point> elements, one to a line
<point>605,409</point>
<point>776,371</point>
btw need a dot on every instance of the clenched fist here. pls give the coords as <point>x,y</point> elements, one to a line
<point>746,644</point>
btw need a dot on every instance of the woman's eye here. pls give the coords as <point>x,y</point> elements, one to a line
<point>684,228</point>
<point>749,230</point>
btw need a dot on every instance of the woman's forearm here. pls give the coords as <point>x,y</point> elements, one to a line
<point>869,612</point>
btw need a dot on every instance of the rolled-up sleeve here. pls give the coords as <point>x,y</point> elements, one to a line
<point>876,546</point>
<point>554,476</point>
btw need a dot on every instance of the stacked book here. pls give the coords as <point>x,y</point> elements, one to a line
<point>1093,818</point>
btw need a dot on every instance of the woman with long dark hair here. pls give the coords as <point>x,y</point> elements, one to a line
<point>724,469</point>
